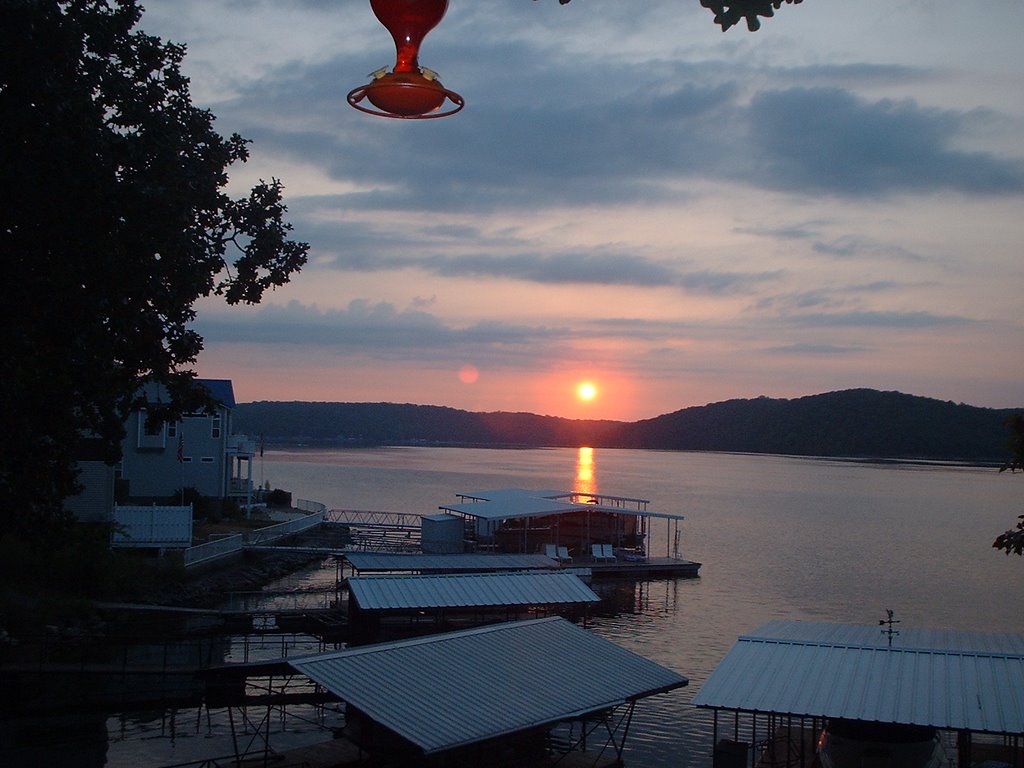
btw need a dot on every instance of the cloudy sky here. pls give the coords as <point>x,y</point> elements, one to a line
<point>630,197</point>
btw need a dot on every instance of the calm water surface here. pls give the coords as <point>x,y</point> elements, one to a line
<point>778,537</point>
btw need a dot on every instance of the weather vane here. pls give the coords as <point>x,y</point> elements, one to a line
<point>888,624</point>
<point>408,91</point>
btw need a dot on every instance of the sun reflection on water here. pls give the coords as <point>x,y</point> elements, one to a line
<point>586,478</point>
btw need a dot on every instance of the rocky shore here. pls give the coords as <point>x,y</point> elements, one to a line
<point>210,588</point>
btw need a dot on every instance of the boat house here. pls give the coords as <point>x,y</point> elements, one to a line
<point>363,563</point>
<point>385,606</point>
<point>491,695</point>
<point>782,685</point>
<point>566,525</point>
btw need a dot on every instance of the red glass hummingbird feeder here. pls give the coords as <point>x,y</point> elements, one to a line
<point>408,91</point>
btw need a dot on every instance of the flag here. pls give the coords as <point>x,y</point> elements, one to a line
<point>181,449</point>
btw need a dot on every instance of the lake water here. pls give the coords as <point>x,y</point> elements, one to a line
<point>779,537</point>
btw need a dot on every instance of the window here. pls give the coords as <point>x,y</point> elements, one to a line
<point>215,426</point>
<point>152,427</point>
<point>172,430</point>
<point>207,459</point>
<point>150,435</point>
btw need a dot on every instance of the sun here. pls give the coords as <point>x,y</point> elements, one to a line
<point>586,391</point>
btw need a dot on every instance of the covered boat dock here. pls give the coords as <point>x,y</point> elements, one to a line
<point>781,685</point>
<point>363,563</point>
<point>600,531</point>
<point>384,606</point>
<point>491,695</point>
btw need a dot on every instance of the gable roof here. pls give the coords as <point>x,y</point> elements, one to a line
<point>471,590</point>
<point>445,691</point>
<point>220,390</point>
<point>940,678</point>
<point>515,503</point>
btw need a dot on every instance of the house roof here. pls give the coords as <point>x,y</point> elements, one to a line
<point>940,678</point>
<point>514,503</point>
<point>366,562</point>
<point>220,390</point>
<point>382,593</point>
<point>445,691</point>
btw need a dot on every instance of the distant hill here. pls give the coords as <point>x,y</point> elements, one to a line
<point>861,423</point>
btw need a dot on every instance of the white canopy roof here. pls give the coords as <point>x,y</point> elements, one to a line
<point>445,691</point>
<point>939,678</point>
<point>513,503</point>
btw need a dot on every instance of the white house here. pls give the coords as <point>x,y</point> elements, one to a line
<point>199,451</point>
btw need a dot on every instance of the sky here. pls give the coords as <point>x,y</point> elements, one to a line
<point>630,198</point>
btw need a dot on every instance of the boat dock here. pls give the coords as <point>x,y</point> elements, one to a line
<point>585,566</point>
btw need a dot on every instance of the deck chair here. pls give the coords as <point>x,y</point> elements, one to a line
<point>551,551</point>
<point>609,551</point>
<point>597,551</point>
<point>563,555</point>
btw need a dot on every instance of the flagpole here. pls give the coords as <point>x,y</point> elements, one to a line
<point>261,461</point>
<point>181,463</point>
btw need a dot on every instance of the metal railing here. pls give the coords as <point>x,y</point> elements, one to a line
<point>287,528</point>
<point>212,550</point>
<point>313,507</point>
<point>379,531</point>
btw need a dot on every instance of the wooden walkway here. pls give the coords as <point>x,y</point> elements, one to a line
<point>651,568</point>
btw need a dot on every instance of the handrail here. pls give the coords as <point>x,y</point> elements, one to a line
<point>212,550</point>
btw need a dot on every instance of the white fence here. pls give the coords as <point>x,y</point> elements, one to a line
<point>153,527</point>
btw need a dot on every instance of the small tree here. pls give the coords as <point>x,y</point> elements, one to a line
<point>1012,541</point>
<point>113,223</point>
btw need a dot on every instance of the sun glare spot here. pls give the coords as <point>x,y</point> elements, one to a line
<point>586,391</point>
<point>468,374</point>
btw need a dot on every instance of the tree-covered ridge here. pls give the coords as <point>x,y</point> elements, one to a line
<point>859,423</point>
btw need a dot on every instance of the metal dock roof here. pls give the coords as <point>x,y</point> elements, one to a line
<point>366,562</point>
<point>475,590</point>
<point>514,503</point>
<point>941,678</point>
<point>445,691</point>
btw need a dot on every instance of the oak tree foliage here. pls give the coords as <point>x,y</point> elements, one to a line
<point>1012,541</point>
<point>114,221</point>
<point>728,14</point>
